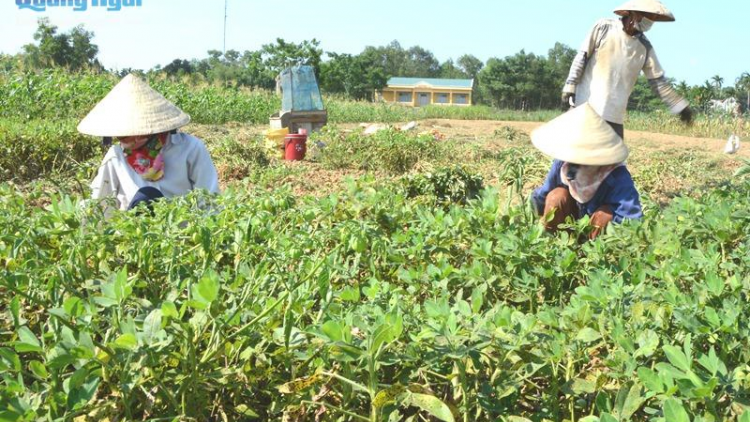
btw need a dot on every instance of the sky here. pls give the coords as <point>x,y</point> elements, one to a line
<point>708,38</point>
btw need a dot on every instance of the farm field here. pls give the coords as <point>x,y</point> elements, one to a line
<point>398,276</point>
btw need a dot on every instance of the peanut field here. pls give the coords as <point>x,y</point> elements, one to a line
<point>400,276</point>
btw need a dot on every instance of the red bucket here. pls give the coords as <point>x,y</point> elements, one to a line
<point>295,146</point>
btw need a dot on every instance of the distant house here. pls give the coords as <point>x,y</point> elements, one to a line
<point>418,92</point>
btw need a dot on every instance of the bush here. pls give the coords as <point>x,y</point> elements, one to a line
<point>446,185</point>
<point>35,149</point>
<point>235,159</point>
<point>388,150</point>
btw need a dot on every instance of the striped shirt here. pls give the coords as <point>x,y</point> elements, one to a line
<point>606,68</point>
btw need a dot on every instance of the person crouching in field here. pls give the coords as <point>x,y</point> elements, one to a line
<point>153,160</point>
<point>588,174</point>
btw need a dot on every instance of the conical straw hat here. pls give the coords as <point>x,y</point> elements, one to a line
<point>653,9</point>
<point>133,108</point>
<point>580,136</point>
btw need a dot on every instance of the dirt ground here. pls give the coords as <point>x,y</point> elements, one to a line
<point>664,166</point>
<point>636,140</point>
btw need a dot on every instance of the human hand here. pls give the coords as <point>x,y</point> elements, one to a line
<point>566,100</point>
<point>686,116</point>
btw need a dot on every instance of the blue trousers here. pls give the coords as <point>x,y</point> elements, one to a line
<point>146,196</point>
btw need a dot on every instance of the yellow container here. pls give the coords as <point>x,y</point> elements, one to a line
<point>275,140</point>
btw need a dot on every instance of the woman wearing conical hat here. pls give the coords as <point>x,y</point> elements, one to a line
<point>152,160</point>
<point>615,52</point>
<point>588,175</point>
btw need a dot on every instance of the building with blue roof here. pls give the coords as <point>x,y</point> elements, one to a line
<point>419,92</point>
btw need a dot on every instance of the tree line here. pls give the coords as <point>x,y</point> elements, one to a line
<point>523,81</point>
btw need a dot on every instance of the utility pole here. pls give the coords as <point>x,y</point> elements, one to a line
<point>225,26</point>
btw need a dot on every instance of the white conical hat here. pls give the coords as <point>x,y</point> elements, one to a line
<point>133,108</point>
<point>580,136</point>
<point>653,9</point>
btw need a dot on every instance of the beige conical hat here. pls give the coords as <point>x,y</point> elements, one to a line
<point>133,108</point>
<point>580,136</point>
<point>653,9</point>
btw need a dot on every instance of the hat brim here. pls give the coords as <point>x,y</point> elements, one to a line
<point>580,136</point>
<point>652,16</point>
<point>132,108</point>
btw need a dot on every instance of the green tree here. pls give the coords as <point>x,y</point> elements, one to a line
<point>355,76</point>
<point>718,82</point>
<point>450,71</point>
<point>743,85</point>
<point>420,63</point>
<point>470,65</point>
<point>523,81</point>
<point>390,58</point>
<point>282,54</point>
<point>559,58</point>
<point>643,98</point>
<point>72,49</point>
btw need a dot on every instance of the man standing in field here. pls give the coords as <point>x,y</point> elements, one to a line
<point>606,68</point>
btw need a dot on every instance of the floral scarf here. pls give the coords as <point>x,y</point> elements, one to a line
<point>587,181</point>
<point>148,160</point>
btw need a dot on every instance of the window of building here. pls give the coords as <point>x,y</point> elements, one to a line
<point>460,98</point>
<point>404,97</point>
<point>442,98</point>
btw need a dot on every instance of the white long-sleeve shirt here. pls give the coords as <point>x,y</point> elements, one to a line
<point>187,166</point>
<point>606,70</point>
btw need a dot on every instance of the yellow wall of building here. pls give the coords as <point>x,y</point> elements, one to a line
<point>390,95</point>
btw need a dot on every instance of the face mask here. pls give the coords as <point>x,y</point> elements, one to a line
<point>644,25</point>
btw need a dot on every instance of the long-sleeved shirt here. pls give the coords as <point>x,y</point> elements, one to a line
<point>606,69</point>
<point>617,190</point>
<point>187,166</point>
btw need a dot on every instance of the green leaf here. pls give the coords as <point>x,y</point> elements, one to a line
<point>27,341</point>
<point>152,325</point>
<point>675,412</point>
<point>588,334</point>
<point>745,417</point>
<point>15,311</point>
<point>333,330</point>
<point>246,412</point>
<point>122,288</point>
<point>81,395</point>
<point>582,386</point>
<point>38,369</point>
<point>606,417</point>
<point>9,416</point>
<point>169,310</point>
<point>712,317</point>
<point>207,290</point>
<point>648,342</point>
<point>714,284</point>
<point>628,401</point>
<point>431,405</point>
<point>73,306</point>
<point>677,358</point>
<point>477,300</point>
<point>350,294</point>
<point>125,341</point>
<point>9,360</point>
<point>387,332</point>
<point>651,380</point>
